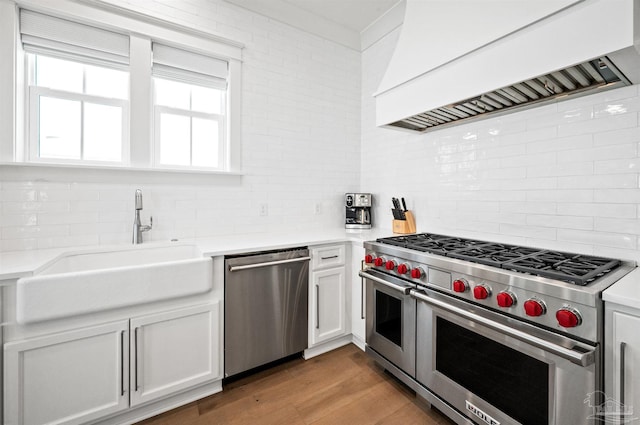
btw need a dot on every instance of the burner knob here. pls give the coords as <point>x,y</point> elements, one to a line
<point>460,285</point>
<point>390,265</point>
<point>368,258</point>
<point>481,292</point>
<point>568,317</point>
<point>378,261</point>
<point>534,308</point>
<point>505,299</point>
<point>403,268</point>
<point>417,273</point>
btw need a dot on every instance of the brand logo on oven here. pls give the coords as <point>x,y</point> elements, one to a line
<point>479,413</point>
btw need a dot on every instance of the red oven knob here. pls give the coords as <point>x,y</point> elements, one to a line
<point>505,299</point>
<point>403,268</point>
<point>368,259</point>
<point>534,308</point>
<point>417,273</point>
<point>390,265</point>
<point>378,261</point>
<point>480,292</point>
<point>460,285</point>
<point>568,317</point>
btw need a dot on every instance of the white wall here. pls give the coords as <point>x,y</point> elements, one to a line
<point>563,176</point>
<point>301,143</point>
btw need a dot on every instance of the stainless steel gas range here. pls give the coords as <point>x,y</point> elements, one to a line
<point>487,332</point>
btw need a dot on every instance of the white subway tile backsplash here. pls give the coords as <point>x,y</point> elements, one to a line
<point>598,210</point>
<point>618,151</point>
<point>560,221</point>
<point>615,181</point>
<point>615,240</point>
<point>618,225</point>
<point>617,137</point>
<point>37,231</point>
<point>560,176</point>
<point>607,123</point>
<point>614,166</point>
<point>617,196</point>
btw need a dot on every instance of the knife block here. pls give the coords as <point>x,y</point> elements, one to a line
<point>405,226</point>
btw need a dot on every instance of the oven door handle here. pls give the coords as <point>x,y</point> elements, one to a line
<point>580,358</point>
<point>402,289</point>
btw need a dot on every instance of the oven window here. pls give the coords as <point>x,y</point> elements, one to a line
<point>509,380</point>
<point>389,317</point>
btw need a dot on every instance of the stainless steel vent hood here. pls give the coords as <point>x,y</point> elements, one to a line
<point>460,60</point>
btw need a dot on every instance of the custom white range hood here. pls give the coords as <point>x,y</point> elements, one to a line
<point>462,60</point>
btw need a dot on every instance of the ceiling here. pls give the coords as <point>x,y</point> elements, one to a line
<point>342,21</point>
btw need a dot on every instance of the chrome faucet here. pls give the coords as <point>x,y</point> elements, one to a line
<point>138,227</point>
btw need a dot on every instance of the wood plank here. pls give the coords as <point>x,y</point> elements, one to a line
<point>342,386</point>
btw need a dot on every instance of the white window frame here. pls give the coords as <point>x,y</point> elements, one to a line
<point>222,145</point>
<point>14,120</point>
<point>34,125</point>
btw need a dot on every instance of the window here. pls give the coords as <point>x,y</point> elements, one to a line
<point>190,92</point>
<point>78,112</point>
<point>78,90</point>
<point>140,93</point>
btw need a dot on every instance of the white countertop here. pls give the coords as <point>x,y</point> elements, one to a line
<point>626,291</point>
<point>16,264</point>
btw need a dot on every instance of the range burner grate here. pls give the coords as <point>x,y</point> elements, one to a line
<point>572,268</point>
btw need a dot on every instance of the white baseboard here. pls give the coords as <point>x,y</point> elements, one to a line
<point>327,346</point>
<point>134,415</point>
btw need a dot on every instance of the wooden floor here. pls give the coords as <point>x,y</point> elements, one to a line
<point>340,387</point>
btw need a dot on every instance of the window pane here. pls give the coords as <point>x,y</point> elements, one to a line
<point>205,142</point>
<point>58,74</point>
<point>59,135</point>
<point>205,99</point>
<point>172,93</point>
<point>107,82</point>
<point>175,143</point>
<point>102,132</point>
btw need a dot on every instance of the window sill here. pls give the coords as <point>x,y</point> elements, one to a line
<point>98,173</point>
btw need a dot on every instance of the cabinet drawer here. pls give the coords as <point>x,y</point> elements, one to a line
<point>327,256</point>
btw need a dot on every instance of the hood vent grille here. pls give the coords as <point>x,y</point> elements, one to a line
<point>582,78</point>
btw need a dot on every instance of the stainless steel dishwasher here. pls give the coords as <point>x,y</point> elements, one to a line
<point>266,297</point>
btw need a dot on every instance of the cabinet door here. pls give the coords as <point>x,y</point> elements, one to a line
<point>173,351</point>
<point>626,360</point>
<point>327,305</point>
<point>67,378</point>
<point>357,296</point>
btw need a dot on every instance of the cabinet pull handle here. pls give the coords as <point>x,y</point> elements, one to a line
<point>362,290</point>
<point>623,345</point>
<point>122,363</point>
<point>328,258</point>
<point>317,306</point>
<point>135,341</point>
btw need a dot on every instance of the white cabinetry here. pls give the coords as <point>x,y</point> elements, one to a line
<point>173,350</point>
<point>80,375</point>
<point>358,307</point>
<point>327,298</point>
<point>69,377</point>
<point>327,304</point>
<point>622,360</point>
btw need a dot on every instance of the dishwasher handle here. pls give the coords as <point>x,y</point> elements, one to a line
<point>268,263</point>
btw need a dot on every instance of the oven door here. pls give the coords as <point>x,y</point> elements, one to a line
<point>498,370</point>
<point>391,319</point>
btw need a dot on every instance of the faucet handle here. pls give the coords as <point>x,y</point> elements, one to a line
<point>147,227</point>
